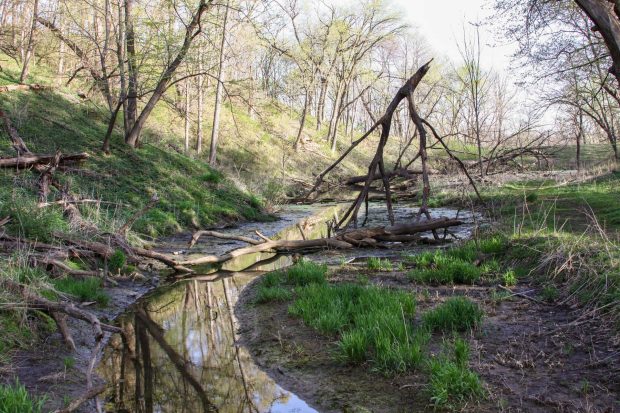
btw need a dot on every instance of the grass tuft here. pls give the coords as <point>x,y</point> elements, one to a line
<point>88,289</point>
<point>452,383</point>
<point>14,398</point>
<point>374,323</point>
<point>378,264</point>
<point>455,314</point>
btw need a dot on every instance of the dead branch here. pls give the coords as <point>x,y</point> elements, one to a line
<point>87,395</point>
<point>11,88</point>
<point>17,141</point>
<point>36,302</point>
<point>127,225</point>
<point>28,160</point>
<point>196,236</point>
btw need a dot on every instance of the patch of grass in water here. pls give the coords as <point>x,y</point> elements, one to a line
<point>374,323</point>
<point>14,398</point>
<point>452,383</point>
<point>88,289</point>
<point>455,314</point>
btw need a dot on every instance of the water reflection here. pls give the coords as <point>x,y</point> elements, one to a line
<point>180,352</point>
<point>181,355</point>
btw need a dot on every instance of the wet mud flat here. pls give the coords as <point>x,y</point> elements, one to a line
<point>532,356</point>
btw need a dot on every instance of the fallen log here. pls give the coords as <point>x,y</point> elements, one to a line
<point>278,246</point>
<point>36,302</point>
<point>401,229</point>
<point>196,236</point>
<point>11,88</point>
<point>16,140</point>
<point>28,160</point>
<point>402,172</point>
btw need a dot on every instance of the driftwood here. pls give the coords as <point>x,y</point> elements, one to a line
<point>343,240</point>
<point>83,398</point>
<point>29,160</point>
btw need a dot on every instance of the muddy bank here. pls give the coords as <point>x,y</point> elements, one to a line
<point>52,371</point>
<point>530,356</point>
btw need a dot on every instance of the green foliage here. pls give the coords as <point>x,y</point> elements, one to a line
<point>455,314</point>
<point>440,268</point>
<point>271,294</point>
<point>88,289</point>
<point>374,324</point>
<point>305,272</point>
<point>379,264</point>
<point>509,278</point>
<point>452,383</point>
<point>549,293</point>
<point>68,362</point>
<point>28,220</point>
<point>14,398</point>
<point>117,261</point>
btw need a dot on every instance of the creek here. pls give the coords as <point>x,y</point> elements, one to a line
<point>183,353</point>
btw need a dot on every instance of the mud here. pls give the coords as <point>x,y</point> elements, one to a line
<point>531,356</point>
<point>52,371</point>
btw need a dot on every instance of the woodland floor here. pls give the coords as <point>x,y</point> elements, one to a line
<point>532,356</point>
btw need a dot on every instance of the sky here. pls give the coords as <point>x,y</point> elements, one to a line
<point>441,23</point>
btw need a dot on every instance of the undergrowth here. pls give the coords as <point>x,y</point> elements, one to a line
<point>455,314</point>
<point>14,398</point>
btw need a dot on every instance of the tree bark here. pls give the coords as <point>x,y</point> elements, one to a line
<point>192,30</point>
<point>218,93</point>
<point>31,40</point>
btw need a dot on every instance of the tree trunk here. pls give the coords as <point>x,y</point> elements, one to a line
<point>320,110</point>
<point>131,111</point>
<point>607,23</point>
<point>190,33</point>
<point>218,93</point>
<point>200,108</point>
<point>302,121</point>
<point>31,39</point>
<point>187,116</point>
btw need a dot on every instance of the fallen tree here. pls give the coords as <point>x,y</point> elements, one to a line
<point>344,240</point>
<point>30,159</point>
<point>377,169</point>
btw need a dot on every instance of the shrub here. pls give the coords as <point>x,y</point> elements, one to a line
<point>117,261</point>
<point>455,314</point>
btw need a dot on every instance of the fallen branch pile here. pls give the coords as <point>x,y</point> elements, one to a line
<point>377,169</point>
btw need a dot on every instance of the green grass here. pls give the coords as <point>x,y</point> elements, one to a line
<point>452,383</point>
<point>455,314</point>
<point>88,289</point>
<point>373,324</point>
<point>14,398</point>
<point>379,264</point>
<point>117,261</point>
<point>272,294</point>
<point>439,268</point>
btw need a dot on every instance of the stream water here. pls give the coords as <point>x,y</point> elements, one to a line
<point>182,353</point>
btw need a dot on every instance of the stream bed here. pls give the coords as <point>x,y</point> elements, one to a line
<point>183,353</point>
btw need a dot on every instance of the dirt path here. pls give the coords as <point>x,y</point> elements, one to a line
<point>527,353</point>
